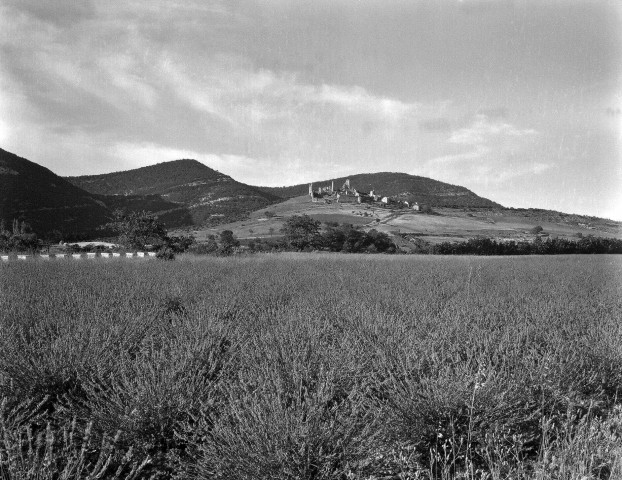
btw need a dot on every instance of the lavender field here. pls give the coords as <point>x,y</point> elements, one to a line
<point>318,366</point>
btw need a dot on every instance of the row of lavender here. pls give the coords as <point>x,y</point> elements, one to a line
<point>6,258</point>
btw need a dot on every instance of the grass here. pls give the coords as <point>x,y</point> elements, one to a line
<point>320,366</point>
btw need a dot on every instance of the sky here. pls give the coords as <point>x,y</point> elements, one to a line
<point>517,100</point>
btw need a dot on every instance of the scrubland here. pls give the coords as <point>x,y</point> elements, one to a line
<point>319,366</point>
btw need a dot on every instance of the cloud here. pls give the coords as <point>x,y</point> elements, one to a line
<point>243,95</point>
<point>484,131</point>
<point>476,153</point>
<point>239,167</point>
<point>496,152</point>
<point>435,125</point>
<point>136,155</point>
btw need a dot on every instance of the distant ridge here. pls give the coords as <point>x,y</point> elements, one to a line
<point>409,187</point>
<point>197,194</point>
<point>152,179</point>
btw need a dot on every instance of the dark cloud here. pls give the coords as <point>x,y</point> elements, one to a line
<point>60,13</point>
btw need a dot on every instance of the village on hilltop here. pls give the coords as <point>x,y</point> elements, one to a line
<point>349,194</point>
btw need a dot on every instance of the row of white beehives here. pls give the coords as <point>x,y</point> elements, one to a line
<point>6,258</point>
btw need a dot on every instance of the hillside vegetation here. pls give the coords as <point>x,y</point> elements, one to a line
<point>154,179</point>
<point>313,367</point>
<point>406,187</point>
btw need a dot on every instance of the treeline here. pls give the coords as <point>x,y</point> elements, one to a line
<point>336,238</point>
<point>551,246</point>
<point>19,238</point>
<point>345,238</point>
<point>302,233</point>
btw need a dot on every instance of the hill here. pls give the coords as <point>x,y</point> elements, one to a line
<point>409,228</point>
<point>47,202</point>
<point>402,185</point>
<point>196,194</point>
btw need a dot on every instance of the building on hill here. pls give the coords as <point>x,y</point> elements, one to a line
<point>346,194</point>
<point>363,197</point>
<point>374,195</point>
<point>321,192</point>
<point>345,198</point>
<point>312,193</point>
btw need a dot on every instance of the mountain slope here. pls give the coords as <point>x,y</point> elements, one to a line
<point>414,188</point>
<point>47,202</point>
<point>199,193</point>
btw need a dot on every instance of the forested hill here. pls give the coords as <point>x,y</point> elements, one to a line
<point>414,188</point>
<point>34,194</point>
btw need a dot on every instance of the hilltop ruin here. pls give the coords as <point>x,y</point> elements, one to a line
<point>349,194</point>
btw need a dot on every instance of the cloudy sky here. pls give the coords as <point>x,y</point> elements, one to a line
<point>517,100</point>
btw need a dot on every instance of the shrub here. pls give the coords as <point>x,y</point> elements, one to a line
<point>171,380</point>
<point>72,452</point>
<point>165,253</point>
<point>207,248</point>
<point>179,244</point>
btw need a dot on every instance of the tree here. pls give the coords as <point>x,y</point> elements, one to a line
<point>537,229</point>
<point>334,238</point>
<point>181,243</point>
<point>381,241</point>
<point>271,230</point>
<point>301,231</point>
<point>137,229</point>
<point>269,214</point>
<point>227,242</point>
